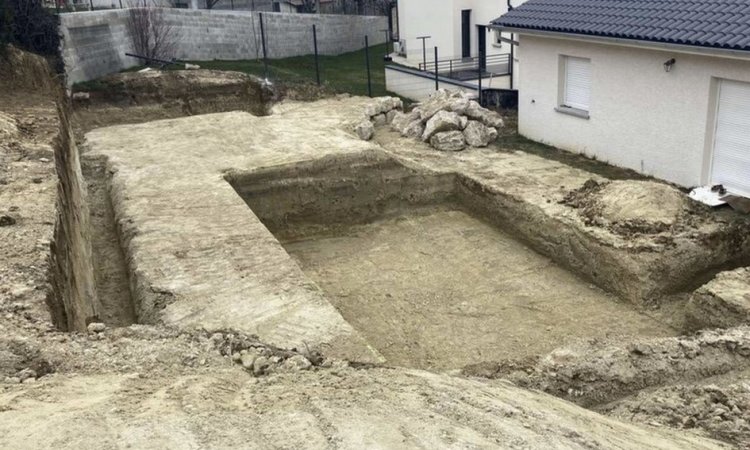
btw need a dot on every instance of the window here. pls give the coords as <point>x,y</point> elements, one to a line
<point>576,85</point>
<point>276,7</point>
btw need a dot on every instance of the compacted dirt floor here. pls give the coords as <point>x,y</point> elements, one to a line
<point>442,289</point>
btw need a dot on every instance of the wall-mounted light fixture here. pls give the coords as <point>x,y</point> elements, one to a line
<point>668,65</point>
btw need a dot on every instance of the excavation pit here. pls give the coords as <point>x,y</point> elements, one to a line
<point>414,262</point>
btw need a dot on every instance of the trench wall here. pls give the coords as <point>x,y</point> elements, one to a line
<point>94,43</point>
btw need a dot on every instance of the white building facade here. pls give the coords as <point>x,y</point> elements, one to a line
<point>638,115</point>
<point>675,110</point>
<point>451,25</point>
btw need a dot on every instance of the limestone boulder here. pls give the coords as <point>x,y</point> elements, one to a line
<point>382,105</point>
<point>440,122</point>
<point>365,130</point>
<point>448,141</point>
<point>439,101</point>
<point>379,120</point>
<point>401,120</point>
<point>479,135</point>
<point>390,115</point>
<point>489,118</point>
<point>413,129</point>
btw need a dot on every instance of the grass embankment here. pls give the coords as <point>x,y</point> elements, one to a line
<point>345,73</point>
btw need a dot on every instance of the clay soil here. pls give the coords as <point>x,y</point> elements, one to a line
<point>441,290</point>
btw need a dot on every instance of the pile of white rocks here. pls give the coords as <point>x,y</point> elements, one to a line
<point>378,113</point>
<point>449,121</point>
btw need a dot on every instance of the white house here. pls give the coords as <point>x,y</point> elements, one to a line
<point>659,86</point>
<point>458,28</point>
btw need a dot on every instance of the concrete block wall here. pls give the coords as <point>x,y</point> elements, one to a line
<point>94,43</point>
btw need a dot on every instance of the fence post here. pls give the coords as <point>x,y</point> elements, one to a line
<point>479,82</point>
<point>367,63</point>
<point>263,42</point>
<point>120,4</point>
<point>315,46</point>
<point>437,81</point>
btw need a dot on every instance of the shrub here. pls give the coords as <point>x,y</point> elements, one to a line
<point>27,25</point>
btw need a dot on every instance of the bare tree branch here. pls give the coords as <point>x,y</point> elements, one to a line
<point>151,34</point>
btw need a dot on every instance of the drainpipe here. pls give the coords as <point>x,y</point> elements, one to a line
<point>512,48</point>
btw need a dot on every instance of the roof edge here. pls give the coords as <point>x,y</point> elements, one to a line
<point>628,42</point>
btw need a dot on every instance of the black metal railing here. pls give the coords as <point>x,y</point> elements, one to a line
<point>468,68</point>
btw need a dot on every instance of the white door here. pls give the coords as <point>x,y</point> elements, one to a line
<point>731,159</point>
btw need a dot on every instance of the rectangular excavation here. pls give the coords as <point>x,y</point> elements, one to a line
<point>412,263</point>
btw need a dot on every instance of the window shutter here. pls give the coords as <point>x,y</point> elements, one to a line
<point>577,83</point>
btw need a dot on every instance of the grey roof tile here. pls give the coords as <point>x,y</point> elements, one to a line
<point>705,23</point>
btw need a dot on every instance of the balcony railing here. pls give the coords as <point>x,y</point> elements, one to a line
<point>468,68</point>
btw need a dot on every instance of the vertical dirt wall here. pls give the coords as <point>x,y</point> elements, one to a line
<point>72,299</point>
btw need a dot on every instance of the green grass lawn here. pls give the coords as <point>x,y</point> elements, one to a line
<point>346,73</point>
<point>342,73</point>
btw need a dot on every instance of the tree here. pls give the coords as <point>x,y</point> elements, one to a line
<point>151,34</point>
<point>309,6</point>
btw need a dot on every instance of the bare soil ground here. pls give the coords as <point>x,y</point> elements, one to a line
<point>442,289</point>
<point>156,387</point>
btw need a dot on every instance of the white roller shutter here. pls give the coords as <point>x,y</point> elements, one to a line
<point>731,158</point>
<point>577,91</point>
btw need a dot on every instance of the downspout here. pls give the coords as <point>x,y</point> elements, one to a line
<point>512,49</point>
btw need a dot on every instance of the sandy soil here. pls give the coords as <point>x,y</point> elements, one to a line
<point>442,289</point>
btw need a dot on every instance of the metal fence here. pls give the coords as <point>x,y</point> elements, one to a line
<point>358,72</point>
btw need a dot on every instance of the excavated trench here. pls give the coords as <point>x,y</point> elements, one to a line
<point>427,269</point>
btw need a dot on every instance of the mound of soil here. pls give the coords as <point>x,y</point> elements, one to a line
<point>630,206</point>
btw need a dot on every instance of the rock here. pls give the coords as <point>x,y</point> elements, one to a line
<point>296,363</point>
<point>448,141</point>
<point>487,117</point>
<point>401,120</point>
<point>8,128</point>
<point>390,115</point>
<point>365,130</point>
<point>36,180</point>
<point>478,134</point>
<point>441,121</point>
<point>413,130</point>
<point>189,66</point>
<point>464,121</point>
<point>459,106</point>
<point>260,365</point>
<point>379,120</point>
<point>25,374</point>
<point>382,105</point>
<point>439,101</point>
<point>79,96</point>
<point>6,221</point>
<point>248,360</point>
<point>44,160</point>
<point>96,327</point>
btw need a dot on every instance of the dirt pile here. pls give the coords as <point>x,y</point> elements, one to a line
<point>631,206</point>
